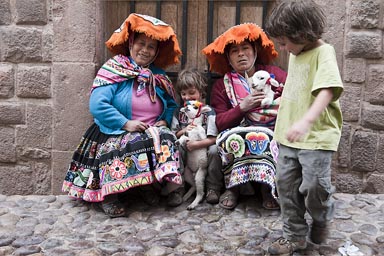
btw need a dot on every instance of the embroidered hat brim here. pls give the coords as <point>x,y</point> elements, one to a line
<point>169,50</point>
<point>215,51</point>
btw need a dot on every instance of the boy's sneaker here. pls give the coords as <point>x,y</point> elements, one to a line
<point>286,247</point>
<point>319,233</point>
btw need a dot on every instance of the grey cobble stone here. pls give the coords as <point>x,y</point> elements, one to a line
<point>83,229</point>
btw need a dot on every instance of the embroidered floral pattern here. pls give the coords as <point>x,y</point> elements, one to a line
<point>235,145</point>
<point>117,169</point>
<point>257,142</point>
<point>164,154</point>
<point>114,167</point>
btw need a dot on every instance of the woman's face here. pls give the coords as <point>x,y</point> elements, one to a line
<point>143,50</point>
<point>242,57</point>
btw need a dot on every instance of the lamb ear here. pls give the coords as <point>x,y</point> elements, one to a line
<point>205,109</point>
<point>182,109</point>
<point>274,82</point>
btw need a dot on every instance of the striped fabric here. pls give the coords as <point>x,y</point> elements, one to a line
<point>120,68</point>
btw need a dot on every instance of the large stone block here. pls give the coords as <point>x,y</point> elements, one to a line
<point>372,116</point>
<point>12,113</point>
<point>364,44</point>
<point>28,153</point>
<point>74,27</point>
<point>16,180</point>
<point>7,86</point>
<point>42,176</point>
<point>350,103</point>
<point>334,33</point>
<point>38,131</point>
<point>375,184</point>
<point>31,12</point>
<point>348,182</point>
<point>5,10</point>
<point>20,44</point>
<point>365,14</point>
<point>7,145</point>
<point>71,86</point>
<point>47,46</point>
<point>60,160</point>
<point>374,88</point>
<point>33,81</point>
<point>354,71</point>
<point>344,149</point>
<point>380,155</point>
<point>363,151</point>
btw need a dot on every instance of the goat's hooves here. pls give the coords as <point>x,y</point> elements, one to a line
<point>191,207</point>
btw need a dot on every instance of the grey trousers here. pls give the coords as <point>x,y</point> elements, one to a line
<point>215,176</point>
<point>304,185</point>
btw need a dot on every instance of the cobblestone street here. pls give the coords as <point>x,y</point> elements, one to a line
<point>57,225</point>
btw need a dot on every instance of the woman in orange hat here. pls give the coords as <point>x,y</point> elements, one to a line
<point>246,129</point>
<point>132,102</point>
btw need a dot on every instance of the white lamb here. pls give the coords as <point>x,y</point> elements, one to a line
<point>262,81</point>
<point>197,160</point>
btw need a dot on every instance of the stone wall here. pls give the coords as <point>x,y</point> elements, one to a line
<point>47,64</point>
<point>48,58</point>
<point>360,162</point>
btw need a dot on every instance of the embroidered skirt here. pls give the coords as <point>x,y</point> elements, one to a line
<point>108,164</point>
<point>248,154</point>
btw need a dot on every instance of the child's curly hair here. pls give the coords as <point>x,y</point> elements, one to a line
<point>299,20</point>
<point>191,78</point>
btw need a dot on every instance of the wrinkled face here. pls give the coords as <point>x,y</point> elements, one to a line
<point>143,50</point>
<point>242,56</point>
<point>286,45</point>
<point>190,94</point>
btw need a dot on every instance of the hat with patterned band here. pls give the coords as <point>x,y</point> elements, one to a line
<point>215,51</point>
<point>169,50</point>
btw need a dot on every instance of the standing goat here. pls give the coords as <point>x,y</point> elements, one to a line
<point>197,160</point>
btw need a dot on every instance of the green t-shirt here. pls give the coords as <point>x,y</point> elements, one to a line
<point>308,73</point>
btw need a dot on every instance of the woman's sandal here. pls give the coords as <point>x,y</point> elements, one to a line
<point>113,208</point>
<point>149,195</point>
<point>271,204</point>
<point>229,199</point>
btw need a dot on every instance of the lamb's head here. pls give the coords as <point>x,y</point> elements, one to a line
<point>193,110</point>
<point>260,79</point>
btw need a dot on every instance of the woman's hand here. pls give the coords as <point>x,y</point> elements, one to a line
<point>161,123</point>
<point>135,126</point>
<point>251,101</point>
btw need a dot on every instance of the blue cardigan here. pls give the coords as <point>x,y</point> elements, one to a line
<point>111,105</point>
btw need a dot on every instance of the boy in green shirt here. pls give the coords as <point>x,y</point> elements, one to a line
<point>308,126</point>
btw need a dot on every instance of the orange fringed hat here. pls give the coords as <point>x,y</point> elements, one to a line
<point>215,51</point>
<point>169,50</point>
